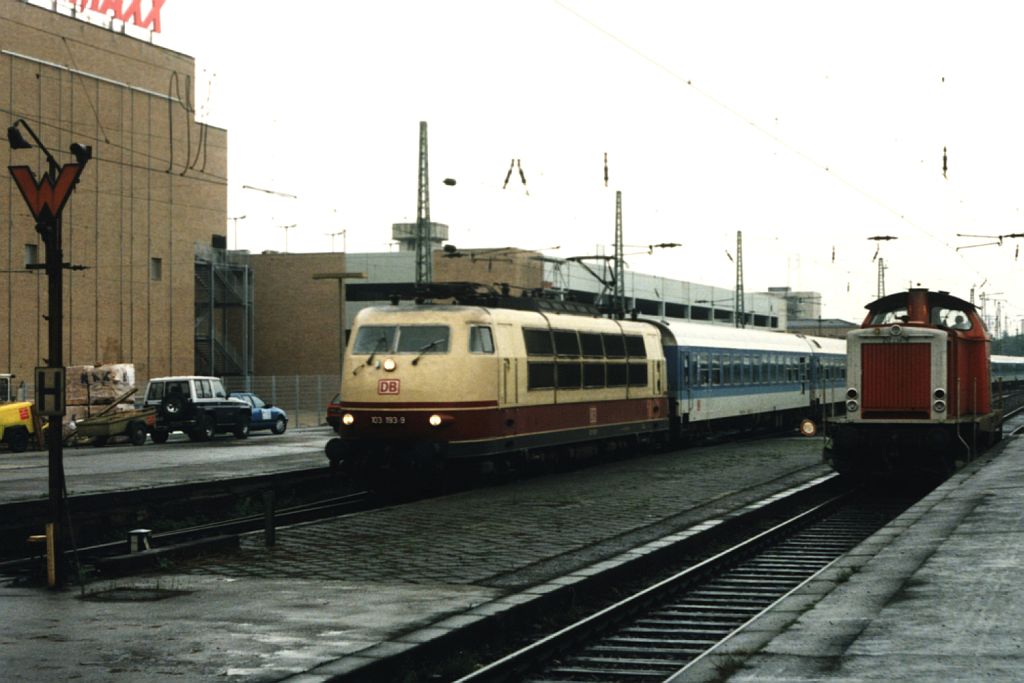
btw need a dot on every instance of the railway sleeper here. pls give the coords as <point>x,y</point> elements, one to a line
<point>616,675</point>
<point>697,626</point>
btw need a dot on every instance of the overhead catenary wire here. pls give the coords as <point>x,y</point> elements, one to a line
<point>799,153</point>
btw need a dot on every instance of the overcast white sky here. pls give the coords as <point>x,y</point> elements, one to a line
<point>809,126</point>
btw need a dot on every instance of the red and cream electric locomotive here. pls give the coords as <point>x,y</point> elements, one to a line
<point>919,395</point>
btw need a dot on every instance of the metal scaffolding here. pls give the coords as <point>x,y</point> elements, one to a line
<point>224,313</point>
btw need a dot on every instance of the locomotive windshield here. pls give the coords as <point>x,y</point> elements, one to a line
<point>951,318</point>
<point>890,317</point>
<point>401,339</point>
<point>940,316</point>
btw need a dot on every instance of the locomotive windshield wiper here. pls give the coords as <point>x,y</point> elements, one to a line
<point>376,347</point>
<point>426,348</point>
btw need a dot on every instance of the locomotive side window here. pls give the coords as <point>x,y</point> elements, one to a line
<point>591,345</point>
<point>617,375</point>
<point>480,339</point>
<point>375,338</point>
<point>635,346</point>
<point>540,375</point>
<point>566,343</point>
<point>538,342</point>
<point>614,346</point>
<point>568,375</point>
<point>593,375</point>
<point>422,339</point>
<point>637,374</point>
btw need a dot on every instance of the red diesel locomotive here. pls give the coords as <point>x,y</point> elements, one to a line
<point>919,395</point>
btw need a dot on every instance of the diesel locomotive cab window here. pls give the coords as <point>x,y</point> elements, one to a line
<point>896,315</point>
<point>480,340</point>
<point>950,318</point>
<point>375,339</point>
<point>538,343</point>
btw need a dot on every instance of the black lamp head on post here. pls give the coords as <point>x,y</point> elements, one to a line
<point>16,140</point>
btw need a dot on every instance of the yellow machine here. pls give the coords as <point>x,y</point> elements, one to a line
<point>18,423</point>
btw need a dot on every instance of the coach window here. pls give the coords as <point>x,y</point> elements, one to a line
<point>566,343</point>
<point>716,370</point>
<point>748,370</point>
<point>480,339</point>
<point>538,342</point>
<point>702,370</point>
<point>591,345</point>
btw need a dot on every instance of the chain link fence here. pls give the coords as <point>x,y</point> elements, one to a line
<point>303,397</point>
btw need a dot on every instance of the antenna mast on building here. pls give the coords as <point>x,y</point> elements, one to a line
<point>739,308</point>
<point>424,270</point>
<point>620,266</point>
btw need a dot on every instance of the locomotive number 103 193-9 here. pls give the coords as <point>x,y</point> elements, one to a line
<point>387,419</point>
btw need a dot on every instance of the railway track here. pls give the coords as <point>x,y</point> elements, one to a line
<point>166,543</point>
<point>655,634</point>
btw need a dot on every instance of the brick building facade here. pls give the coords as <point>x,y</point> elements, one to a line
<point>155,187</point>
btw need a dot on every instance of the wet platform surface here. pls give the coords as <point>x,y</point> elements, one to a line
<point>935,596</point>
<point>331,595</point>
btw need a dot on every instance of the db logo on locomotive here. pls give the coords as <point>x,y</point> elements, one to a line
<point>388,387</point>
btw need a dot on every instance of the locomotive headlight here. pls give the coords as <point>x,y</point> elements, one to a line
<point>939,406</point>
<point>347,419</point>
<point>852,406</point>
<point>440,420</point>
<point>939,394</point>
<point>851,392</point>
<point>895,330</point>
<point>389,364</point>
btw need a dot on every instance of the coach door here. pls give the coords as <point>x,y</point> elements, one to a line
<point>686,381</point>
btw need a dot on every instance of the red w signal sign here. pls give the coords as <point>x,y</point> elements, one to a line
<point>46,197</point>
